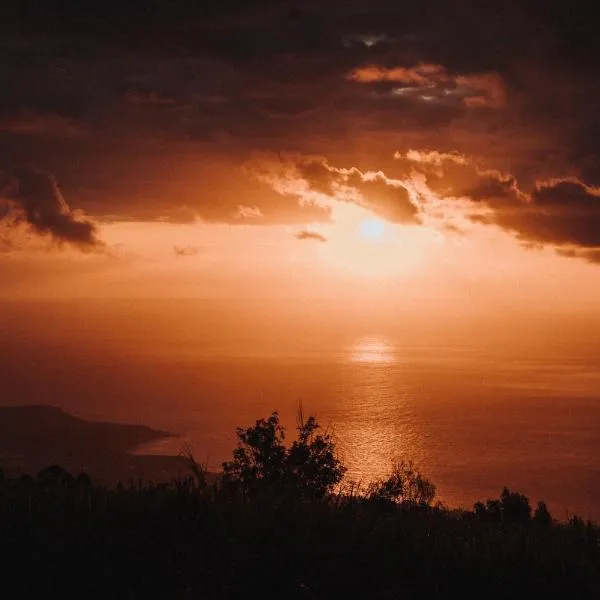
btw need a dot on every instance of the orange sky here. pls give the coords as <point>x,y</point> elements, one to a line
<point>361,155</point>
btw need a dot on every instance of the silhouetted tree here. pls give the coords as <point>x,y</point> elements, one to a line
<point>405,485</point>
<point>259,459</point>
<point>83,480</point>
<point>491,510</point>
<point>542,514</point>
<point>515,506</point>
<point>55,476</point>
<point>311,463</point>
<point>511,506</point>
<point>262,461</point>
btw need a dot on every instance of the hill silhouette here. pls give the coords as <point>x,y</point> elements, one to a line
<point>34,436</point>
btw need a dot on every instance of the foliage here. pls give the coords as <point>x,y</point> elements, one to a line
<point>55,476</point>
<point>312,465</point>
<point>262,462</point>
<point>183,541</point>
<point>198,470</point>
<point>542,515</point>
<point>192,538</point>
<point>511,506</point>
<point>260,456</point>
<point>405,486</point>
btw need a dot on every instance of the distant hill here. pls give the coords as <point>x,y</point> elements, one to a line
<point>35,436</point>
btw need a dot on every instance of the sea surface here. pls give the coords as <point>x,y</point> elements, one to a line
<point>471,419</point>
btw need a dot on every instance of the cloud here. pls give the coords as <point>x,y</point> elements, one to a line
<point>310,235</point>
<point>564,213</point>
<point>39,124</point>
<point>248,212</point>
<point>567,196</point>
<point>433,157</point>
<point>482,90</point>
<point>497,189</point>
<point>433,83</point>
<point>186,250</point>
<point>420,75</point>
<point>592,256</point>
<point>182,215</point>
<point>147,98</point>
<point>37,202</point>
<point>352,81</point>
<point>314,179</point>
<point>559,212</point>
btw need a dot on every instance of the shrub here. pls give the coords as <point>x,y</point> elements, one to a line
<point>515,506</point>
<point>404,486</point>
<point>311,462</point>
<point>511,506</point>
<point>262,462</point>
<point>542,514</point>
<point>55,476</point>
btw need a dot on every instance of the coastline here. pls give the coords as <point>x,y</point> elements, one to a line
<point>33,437</point>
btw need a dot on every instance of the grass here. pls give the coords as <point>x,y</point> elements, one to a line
<point>281,524</point>
<point>185,540</point>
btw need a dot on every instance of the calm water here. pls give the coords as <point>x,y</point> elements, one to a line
<point>472,421</point>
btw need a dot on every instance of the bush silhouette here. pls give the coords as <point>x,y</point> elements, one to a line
<point>511,506</point>
<point>55,476</point>
<point>261,461</point>
<point>515,506</point>
<point>542,514</point>
<point>404,486</point>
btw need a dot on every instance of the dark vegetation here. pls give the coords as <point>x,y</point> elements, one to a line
<point>281,523</point>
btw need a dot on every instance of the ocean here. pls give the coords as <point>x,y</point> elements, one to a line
<point>473,420</point>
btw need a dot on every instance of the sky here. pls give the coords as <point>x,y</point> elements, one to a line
<point>371,160</point>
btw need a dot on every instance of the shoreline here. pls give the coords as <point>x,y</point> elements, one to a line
<point>33,437</point>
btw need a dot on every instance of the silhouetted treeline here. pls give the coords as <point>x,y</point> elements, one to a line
<point>281,523</point>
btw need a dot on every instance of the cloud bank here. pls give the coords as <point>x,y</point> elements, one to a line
<point>34,199</point>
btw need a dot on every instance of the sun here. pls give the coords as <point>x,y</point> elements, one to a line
<point>361,244</point>
<point>372,229</point>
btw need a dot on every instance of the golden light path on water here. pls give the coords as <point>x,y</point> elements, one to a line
<point>372,350</point>
<point>378,425</point>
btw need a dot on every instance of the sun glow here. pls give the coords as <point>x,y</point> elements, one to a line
<point>372,229</point>
<point>360,244</point>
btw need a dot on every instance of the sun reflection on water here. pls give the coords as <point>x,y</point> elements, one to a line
<point>376,422</point>
<point>372,350</point>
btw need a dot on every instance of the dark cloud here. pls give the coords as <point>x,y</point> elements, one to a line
<point>310,235</point>
<point>497,189</point>
<point>37,202</point>
<point>592,256</point>
<point>561,213</point>
<point>569,197</point>
<point>433,84</point>
<point>134,91</point>
<point>558,213</point>
<point>382,195</point>
<point>385,197</point>
<point>43,125</point>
